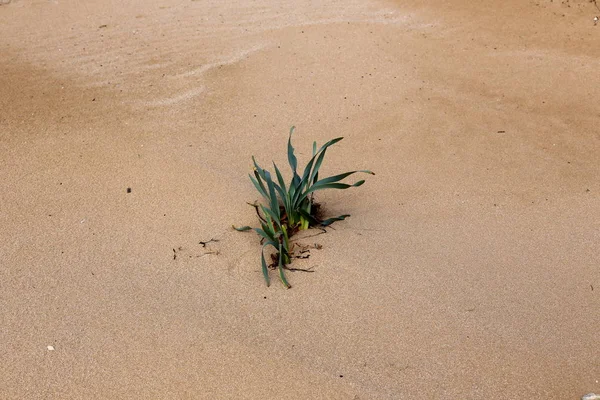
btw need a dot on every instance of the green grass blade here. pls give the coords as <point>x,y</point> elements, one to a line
<point>241,228</point>
<point>258,170</point>
<point>302,184</point>
<point>322,186</point>
<point>312,220</point>
<point>281,273</point>
<point>265,234</point>
<point>330,221</point>
<point>280,178</point>
<point>299,193</point>
<point>330,143</point>
<point>317,186</point>
<point>261,175</point>
<point>274,203</point>
<point>293,161</point>
<point>265,270</point>
<point>315,170</point>
<point>259,186</point>
<point>282,189</point>
<point>272,215</point>
<point>339,177</point>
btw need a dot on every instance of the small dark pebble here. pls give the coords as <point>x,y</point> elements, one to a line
<point>341,376</point>
<point>128,190</point>
<point>265,297</point>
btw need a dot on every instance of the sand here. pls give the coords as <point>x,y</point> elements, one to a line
<point>468,270</point>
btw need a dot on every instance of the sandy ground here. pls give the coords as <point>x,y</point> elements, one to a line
<point>470,268</point>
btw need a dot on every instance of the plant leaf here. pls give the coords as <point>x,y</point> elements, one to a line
<point>282,189</point>
<point>316,186</point>
<point>281,273</point>
<point>330,143</point>
<point>241,228</point>
<point>312,220</point>
<point>259,186</point>
<point>264,233</point>
<point>315,170</point>
<point>274,204</point>
<point>339,177</point>
<point>299,195</point>
<point>272,215</point>
<point>265,270</point>
<point>260,173</point>
<point>330,221</point>
<point>291,157</point>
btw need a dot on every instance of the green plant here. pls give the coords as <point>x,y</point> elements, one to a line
<point>290,207</point>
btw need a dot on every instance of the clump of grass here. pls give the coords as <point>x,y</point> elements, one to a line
<point>291,208</point>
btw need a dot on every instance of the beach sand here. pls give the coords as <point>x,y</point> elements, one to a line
<point>470,268</point>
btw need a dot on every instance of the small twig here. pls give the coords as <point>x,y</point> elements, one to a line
<point>175,252</point>
<point>323,230</point>
<point>213,240</point>
<point>257,212</point>
<point>596,4</point>
<point>299,269</point>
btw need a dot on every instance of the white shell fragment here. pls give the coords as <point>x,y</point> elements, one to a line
<point>591,396</point>
<point>50,348</point>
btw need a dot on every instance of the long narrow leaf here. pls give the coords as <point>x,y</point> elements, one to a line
<point>265,270</point>
<point>241,228</point>
<point>259,186</point>
<point>291,157</point>
<point>339,177</point>
<point>303,182</point>
<point>282,189</point>
<point>265,234</point>
<point>312,220</point>
<point>274,204</point>
<point>330,143</point>
<point>315,170</point>
<point>258,170</point>
<point>330,221</point>
<point>270,227</point>
<point>261,175</point>
<point>272,216</point>
<point>280,178</point>
<point>299,193</point>
<point>281,273</point>
<point>318,186</point>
